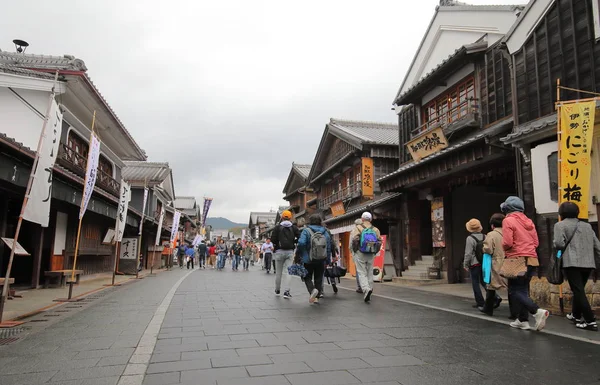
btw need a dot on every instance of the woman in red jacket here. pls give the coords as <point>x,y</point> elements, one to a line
<point>520,240</point>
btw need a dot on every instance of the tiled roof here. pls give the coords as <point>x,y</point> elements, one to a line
<point>303,169</point>
<point>66,62</point>
<point>257,217</point>
<point>185,203</point>
<point>152,172</point>
<point>465,49</point>
<point>13,70</point>
<point>531,127</point>
<point>368,132</point>
<point>385,197</point>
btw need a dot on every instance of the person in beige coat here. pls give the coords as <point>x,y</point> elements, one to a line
<point>492,245</point>
<point>364,261</point>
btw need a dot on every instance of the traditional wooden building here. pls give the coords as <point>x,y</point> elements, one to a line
<point>298,194</point>
<point>158,177</point>
<point>453,165</point>
<point>552,39</point>
<point>24,93</point>
<point>350,157</point>
<point>259,222</point>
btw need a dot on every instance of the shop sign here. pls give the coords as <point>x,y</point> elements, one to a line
<point>337,209</point>
<point>368,179</point>
<point>427,144</point>
<point>128,248</point>
<point>575,134</point>
<point>437,222</point>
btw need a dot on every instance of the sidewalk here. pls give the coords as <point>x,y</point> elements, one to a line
<point>36,300</point>
<point>458,299</point>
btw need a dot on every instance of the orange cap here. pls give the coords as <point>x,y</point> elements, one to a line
<point>286,214</point>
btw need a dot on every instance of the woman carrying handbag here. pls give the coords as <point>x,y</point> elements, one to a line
<point>520,241</point>
<point>579,250</point>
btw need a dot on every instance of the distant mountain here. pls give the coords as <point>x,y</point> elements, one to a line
<point>223,223</point>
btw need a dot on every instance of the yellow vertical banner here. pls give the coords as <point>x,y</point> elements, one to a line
<point>368,179</point>
<point>575,136</point>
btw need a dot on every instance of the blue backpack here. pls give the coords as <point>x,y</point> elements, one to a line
<point>369,243</point>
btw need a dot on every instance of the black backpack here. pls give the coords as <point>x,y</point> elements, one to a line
<point>287,238</point>
<point>478,248</point>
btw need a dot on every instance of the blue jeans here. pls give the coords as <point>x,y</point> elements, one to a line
<point>477,281</point>
<point>235,262</point>
<point>221,261</point>
<point>246,262</point>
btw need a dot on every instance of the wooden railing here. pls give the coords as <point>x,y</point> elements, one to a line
<point>352,191</point>
<point>468,108</point>
<point>73,161</point>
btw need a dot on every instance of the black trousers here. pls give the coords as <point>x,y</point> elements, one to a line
<point>314,278</point>
<point>191,260</point>
<point>577,278</point>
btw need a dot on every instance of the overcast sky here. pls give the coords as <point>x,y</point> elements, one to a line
<point>231,92</point>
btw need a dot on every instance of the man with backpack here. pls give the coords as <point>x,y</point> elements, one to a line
<point>314,251</point>
<point>284,238</point>
<point>236,254</point>
<point>366,242</point>
<point>474,258</point>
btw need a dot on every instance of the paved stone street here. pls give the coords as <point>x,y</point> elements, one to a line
<point>221,328</point>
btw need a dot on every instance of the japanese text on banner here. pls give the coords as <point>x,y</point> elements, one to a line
<point>577,129</point>
<point>91,173</point>
<point>175,227</point>
<point>143,210</point>
<point>124,198</point>
<point>160,225</point>
<point>38,205</point>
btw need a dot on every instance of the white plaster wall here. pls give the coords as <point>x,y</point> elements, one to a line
<point>452,29</point>
<point>537,9</point>
<point>18,120</point>
<point>541,179</point>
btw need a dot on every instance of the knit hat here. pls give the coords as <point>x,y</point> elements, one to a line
<point>366,216</point>
<point>286,214</point>
<point>474,226</point>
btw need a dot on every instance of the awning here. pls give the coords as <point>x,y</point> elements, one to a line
<point>532,130</point>
<point>344,229</point>
<point>354,213</point>
<point>455,158</point>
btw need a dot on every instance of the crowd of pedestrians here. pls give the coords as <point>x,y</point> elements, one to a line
<point>511,251</point>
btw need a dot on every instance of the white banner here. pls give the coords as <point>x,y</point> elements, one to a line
<point>243,233</point>
<point>37,209</point>
<point>143,210</point>
<point>128,248</point>
<point>160,223</point>
<point>175,227</point>
<point>91,173</point>
<point>124,199</point>
<point>197,240</point>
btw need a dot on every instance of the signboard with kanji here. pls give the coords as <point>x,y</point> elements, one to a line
<point>427,144</point>
<point>575,143</point>
<point>368,179</point>
<point>337,209</point>
<point>128,248</point>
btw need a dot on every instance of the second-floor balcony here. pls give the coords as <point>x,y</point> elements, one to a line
<point>349,192</point>
<point>465,114</point>
<point>76,163</point>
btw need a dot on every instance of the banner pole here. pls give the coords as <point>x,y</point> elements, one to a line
<point>561,301</point>
<point>5,287</point>
<point>137,258</point>
<point>80,219</point>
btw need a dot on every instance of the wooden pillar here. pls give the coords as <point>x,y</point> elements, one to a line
<point>453,273</point>
<point>37,258</point>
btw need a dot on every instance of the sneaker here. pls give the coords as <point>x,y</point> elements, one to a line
<point>286,294</point>
<point>277,292</point>
<point>313,296</point>
<point>335,289</point>
<point>321,295</point>
<point>540,318</point>
<point>572,318</point>
<point>368,295</point>
<point>359,290</point>
<point>593,326</point>
<point>520,325</point>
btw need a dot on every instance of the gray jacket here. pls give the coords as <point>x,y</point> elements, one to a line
<point>584,249</point>
<point>470,259</point>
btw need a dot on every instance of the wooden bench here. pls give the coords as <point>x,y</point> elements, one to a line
<point>61,276</point>
<point>11,292</point>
